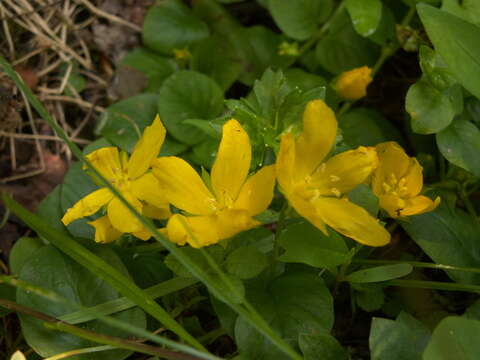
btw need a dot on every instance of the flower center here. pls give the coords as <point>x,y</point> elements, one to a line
<point>395,186</point>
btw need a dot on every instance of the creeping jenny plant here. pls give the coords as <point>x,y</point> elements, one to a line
<point>132,178</point>
<point>234,198</point>
<point>316,188</point>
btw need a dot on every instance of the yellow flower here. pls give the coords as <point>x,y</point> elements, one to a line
<point>228,209</point>
<point>397,182</point>
<point>315,188</point>
<point>131,177</point>
<point>352,85</point>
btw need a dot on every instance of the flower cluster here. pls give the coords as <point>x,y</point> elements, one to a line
<point>225,202</point>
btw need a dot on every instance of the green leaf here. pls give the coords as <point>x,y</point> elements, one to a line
<point>265,44</point>
<point>370,297</point>
<point>343,49</point>
<point>50,269</point>
<point>367,127</point>
<point>456,41</point>
<point>432,110</point>
<point>188,95</point>
<point>379,273</point>
<point>171,25</point>
<point>460,144</point>
<point>156,68</point>
<point>195,255</point>
<point>435,70</point>
<point>246,262</point>
<point>365,14</point>
<point>468,10</point>
<point>299,19</point>
<point>386,31</point>
<point>363,196</point>
<point>294,303</point>
<point>50,209</point>
<point>215,57</point>
<point>304,243</point>
<point>22,250</point>
<point>454,338</point>
<point>123,122</point>
<point>322,346</point>
<point>204,154</point>
<point>400,339</point>
<point>448,236</point>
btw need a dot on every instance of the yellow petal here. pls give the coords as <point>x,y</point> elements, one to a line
<point>344,171</point>
<point>107,162</point>
<point>183,186</point>
<point>285,164</point>
<point>413,179</point>
<point>257,192</point>
<point>232,163</point>
<point>419,205</point>
<point>392,160</point>
<point>198,231</point>
<point>392,204</point>
<point>87,206</point>
<point>231,222</point>
<point>154,212</point>
<point>318,137</point>
<point>352,85</point>
<point>307,209</point>
<point>104,231</point>
<point>147,149</point>
<point>351,220</point>
<point>148,189</point>
<point>120,216</point>
<point>143,234</point>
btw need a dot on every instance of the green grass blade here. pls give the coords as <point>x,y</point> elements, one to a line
<point>123,303</point>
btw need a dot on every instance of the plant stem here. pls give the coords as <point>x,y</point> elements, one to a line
<point>322,30</point>
<point>435,285</point>
<point>279,229</point>
<point>418,264</point>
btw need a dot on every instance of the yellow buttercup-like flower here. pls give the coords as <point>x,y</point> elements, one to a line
<point>315,188</point>
<point>228,208</point>
<point>131,177</point>
<point>397,182</point>
<point>352,85</point>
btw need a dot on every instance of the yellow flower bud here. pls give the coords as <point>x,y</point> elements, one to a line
<point>352,85</point>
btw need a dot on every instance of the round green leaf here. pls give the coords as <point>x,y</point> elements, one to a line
<point>343,49</point>
<point>367,127</point>
<point>246,262</point>
<point>380,273</point>
<point>294,303</point>
<point>365,14</point>
<point>171,25</point>
<point>454,338</point>
<point>456,41</point>
<point>299,19</point>
<point>155,68</point>
<point>188,95</point>
<point>432,110</point>
<point>460,144</point>
<point>214,56</point>
<point>321,346</point>
<point>22,251</point>
<point>304,243</point>
<point>48,268</point>
<point>123,122</point>
<point>400,339</point>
